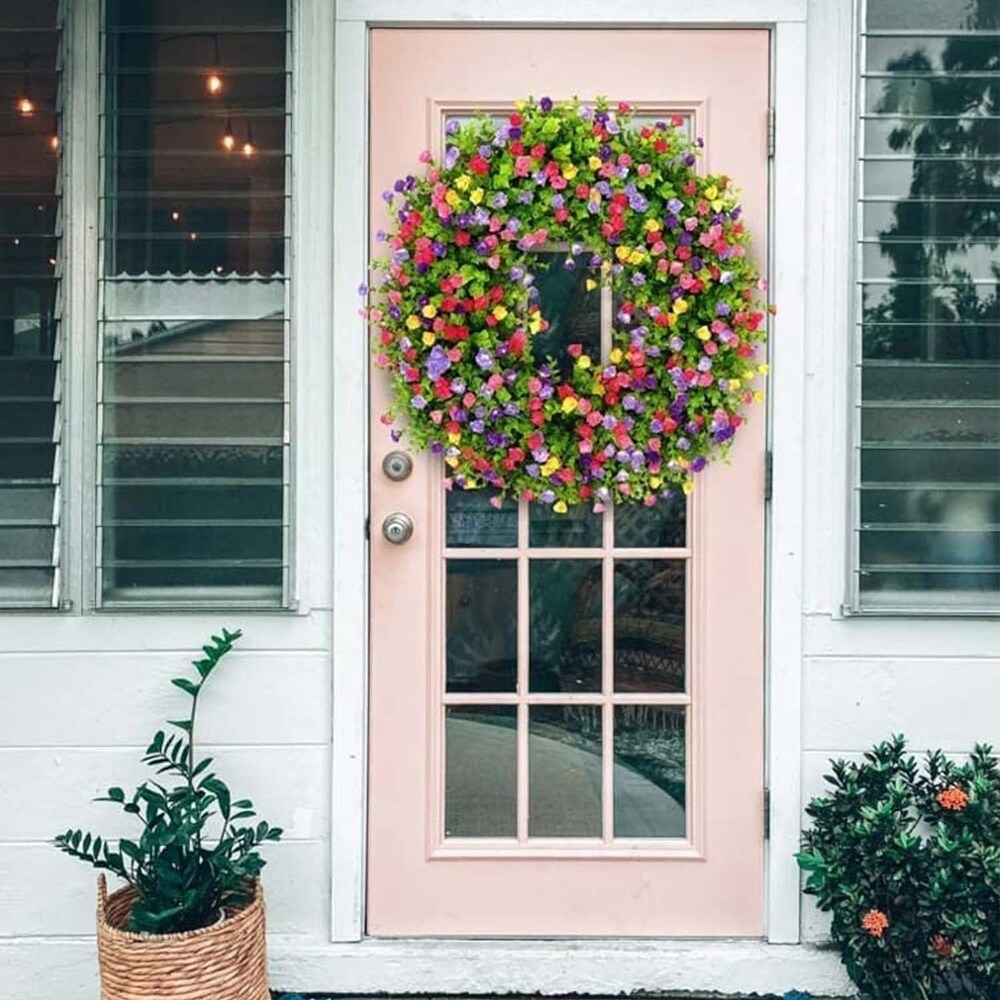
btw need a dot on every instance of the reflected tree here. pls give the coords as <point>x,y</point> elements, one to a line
<point>951,211</point>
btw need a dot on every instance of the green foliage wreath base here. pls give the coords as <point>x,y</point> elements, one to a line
<point>455,306</point>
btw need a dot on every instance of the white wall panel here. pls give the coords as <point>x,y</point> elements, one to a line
<point>947,704</point>
<point>120,699</point>
<point>46,791</point>
<point>45,893</point>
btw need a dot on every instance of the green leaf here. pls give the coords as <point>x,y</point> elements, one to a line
<point>185,685</point>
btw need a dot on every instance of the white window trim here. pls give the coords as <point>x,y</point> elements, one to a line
<point>851,602</point>
<point>787,21</point>
<point>309,266</point>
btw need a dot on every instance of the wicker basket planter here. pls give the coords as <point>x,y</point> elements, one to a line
<point>226,961</point>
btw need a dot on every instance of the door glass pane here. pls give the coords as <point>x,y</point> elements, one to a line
<point>473,522</point>
<point>650,625</point>
<point>481,625</point>
<point>566,625</point>
<point>579,527</point>
<point>564,771</point>
<point>662,526</point>
<point>650,778</point>
<point>573,312</point>
<point>481,771</point>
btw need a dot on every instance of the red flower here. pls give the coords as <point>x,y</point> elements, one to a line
<point>943,948</point>
<point>478,165</point>
<point>875,923</point>
<point>515,119</point>
<point>953,798</point>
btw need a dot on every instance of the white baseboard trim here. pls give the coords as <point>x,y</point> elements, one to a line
<point>62,968</point>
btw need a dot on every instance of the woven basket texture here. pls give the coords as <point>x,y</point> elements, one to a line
<point>226,961</point>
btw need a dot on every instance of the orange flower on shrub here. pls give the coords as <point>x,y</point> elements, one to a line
<point>953,798</point>
<point>875,922</point>
<point>942,946</point>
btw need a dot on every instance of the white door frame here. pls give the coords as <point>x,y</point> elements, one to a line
<point>786,20</point>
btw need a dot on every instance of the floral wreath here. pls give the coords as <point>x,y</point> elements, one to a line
<point>458,325</point>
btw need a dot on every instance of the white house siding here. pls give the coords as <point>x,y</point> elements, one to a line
<point>80,695</point>
<point>935,680</point>
<point>81,699</point>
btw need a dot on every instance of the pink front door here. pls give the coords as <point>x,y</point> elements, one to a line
<point>566,732</point>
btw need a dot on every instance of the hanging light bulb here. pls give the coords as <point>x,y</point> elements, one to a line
<point>25,106</point>
<point>213,82</point>
<point>248,147</point>
<point>228,139</point>
<point>54,143</point>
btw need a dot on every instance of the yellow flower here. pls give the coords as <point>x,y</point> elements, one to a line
<point>569,404</point>
<point>763,368</point>
<point>477,196</point>
<point>591,284</point>
<point>499,312</point>
<point>429,310</point>
<point>734,384</point>
<point>535,323</point>
<point>570,170</point>
<point>462,182</point>
<point>605,266</point>
<point>454,437</point>
<point>653,225</point>
<point>615,356</point>
<point>453,198</point>
<point>703,333</point>
<point>520,104</point>
<point>636,257</point>
<point>594,163</point>
<point>560,507</point>
<point>680,306</point>
<point>688,487</point>
<point>452,461</point>
<point>428,338</point>
<point>711,192</point>
<point>597,389</point>
<point>550,466</point>
<point>583,361</point>
<point>656,482</point>
<point>412,322</point>
<point>758,396</point>
<point>717,204</point>
<point>622,253</point>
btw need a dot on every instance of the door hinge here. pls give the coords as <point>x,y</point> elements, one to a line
<point>368,529</point>
<point>770,132</point>
<point>768,475</point>
<point>767,813</point>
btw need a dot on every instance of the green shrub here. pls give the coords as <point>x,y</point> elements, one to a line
<point>907,860</point>
<point>193,856</point>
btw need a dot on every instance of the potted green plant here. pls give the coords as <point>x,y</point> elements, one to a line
<point>189,921</point>
<point>907,860</point>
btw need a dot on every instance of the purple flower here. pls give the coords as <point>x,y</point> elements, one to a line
<point>698,464</point>
<point>401,255</point>
<point>499,200</point>
<point>526,197</point>
<point>362,289</point>
<point>638,279</point>
<point>484,359</point>
<point>547,496</point>
<point>477,426</point>
<point>558,201</point>
<point>676,344</point>
<point>545,104</point>
<point>437,362</point>
<point>516,273</point>
<point>723,309</point>
<point>451,127</point>
<point>451,155</point>
<point>675,206</point>
<point>569,264</point>
<point>418,402</point>
<point>683,444</point>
